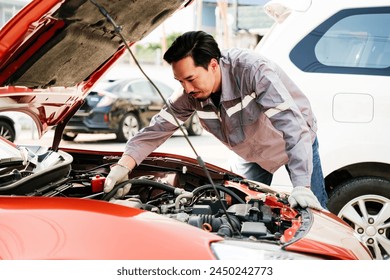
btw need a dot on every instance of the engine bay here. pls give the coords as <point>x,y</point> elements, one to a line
<point>228,206</point>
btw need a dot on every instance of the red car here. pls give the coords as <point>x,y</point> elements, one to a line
<point>51,199</point>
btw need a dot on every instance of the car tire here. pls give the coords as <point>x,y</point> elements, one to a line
<point>7,131</point>
<point>364,204</point>
<point>128,127</point>
<point>194,128</point>
<point>70,136</point>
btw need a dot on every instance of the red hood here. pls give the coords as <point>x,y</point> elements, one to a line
<point>53,51</point>
<point>105,231</point>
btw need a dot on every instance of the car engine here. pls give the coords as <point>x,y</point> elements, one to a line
<point>229,206</point>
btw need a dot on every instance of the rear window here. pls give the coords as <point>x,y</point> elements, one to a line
<point>355,41</point>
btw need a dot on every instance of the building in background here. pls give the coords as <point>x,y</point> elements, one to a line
<point>235,23</point>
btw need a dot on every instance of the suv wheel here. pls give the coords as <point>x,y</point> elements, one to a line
<point>194,128</point>
<point>128,127</point>
<point>7,131</point>
<point>364,203</point>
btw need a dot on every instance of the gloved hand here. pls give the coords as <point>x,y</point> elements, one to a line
<point>304,197</point>
<point>118,174</point>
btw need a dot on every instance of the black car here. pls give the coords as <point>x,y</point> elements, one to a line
<point>122,107</point>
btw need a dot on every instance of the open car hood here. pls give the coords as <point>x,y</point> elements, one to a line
<point>53,52</point>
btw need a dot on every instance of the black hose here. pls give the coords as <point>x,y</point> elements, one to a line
<point>221,188</point>
<point>135,182</point>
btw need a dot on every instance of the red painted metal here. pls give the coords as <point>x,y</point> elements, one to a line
<point>65,228</point>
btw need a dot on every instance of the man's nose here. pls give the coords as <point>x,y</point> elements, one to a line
<point>188,87</point>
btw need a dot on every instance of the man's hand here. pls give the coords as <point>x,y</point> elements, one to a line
<point>304,197</point>
<point>118,174</point>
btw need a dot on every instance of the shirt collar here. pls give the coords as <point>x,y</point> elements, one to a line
<point>230,83</point>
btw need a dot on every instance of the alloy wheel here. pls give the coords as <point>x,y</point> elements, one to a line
<point>369,216</point>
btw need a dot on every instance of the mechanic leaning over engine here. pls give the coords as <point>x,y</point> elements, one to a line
<point>249,104</point>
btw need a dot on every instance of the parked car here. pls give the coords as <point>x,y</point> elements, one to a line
<point>123,107</point>
<point>338,53</point>
<point>7,127</point>
<point>51,198</point>
<point>12,124</point>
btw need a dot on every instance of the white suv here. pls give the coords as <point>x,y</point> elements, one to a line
<point>338,53</point>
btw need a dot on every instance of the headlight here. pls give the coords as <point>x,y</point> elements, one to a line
<point>250,250</point>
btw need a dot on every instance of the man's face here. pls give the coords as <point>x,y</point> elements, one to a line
<point>196,80</point>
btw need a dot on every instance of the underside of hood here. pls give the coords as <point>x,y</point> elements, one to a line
<point>61,43</point>
<point>53,51</point>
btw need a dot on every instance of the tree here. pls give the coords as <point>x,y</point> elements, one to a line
<point>171,37</point>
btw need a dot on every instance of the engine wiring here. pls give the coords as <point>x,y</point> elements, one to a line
<point>118,31</point>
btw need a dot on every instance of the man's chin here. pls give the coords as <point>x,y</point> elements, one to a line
<point>201,97</point>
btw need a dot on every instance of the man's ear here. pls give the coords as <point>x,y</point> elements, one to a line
<point>214,63</point>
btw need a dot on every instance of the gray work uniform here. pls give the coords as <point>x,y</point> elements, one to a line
<point>262,116</point>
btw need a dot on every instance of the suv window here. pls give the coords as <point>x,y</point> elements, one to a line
<point>355,41</point>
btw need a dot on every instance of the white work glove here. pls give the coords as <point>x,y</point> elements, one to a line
<point>118,174</point>
<point>304,197</point>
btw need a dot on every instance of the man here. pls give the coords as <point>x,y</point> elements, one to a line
<point>245,101</point>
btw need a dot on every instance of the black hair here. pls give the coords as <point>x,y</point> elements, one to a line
<point>201,46</point>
